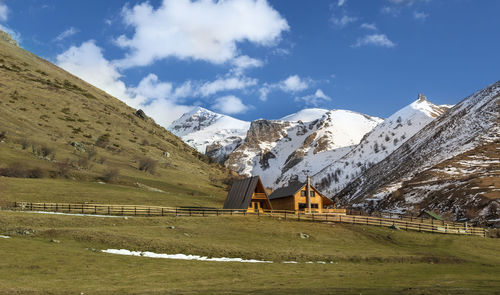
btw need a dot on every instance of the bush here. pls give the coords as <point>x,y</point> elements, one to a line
<point>64,168</point>
<point>3,135</point>
<point>16,170</point>
<point>43,150</point>
<point>147,164</point>
<point>103,140</point>
<point>25,143</point>
<point>110,175</point>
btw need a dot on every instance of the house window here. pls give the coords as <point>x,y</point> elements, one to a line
<point>303,193</point>
<point>303,206</point>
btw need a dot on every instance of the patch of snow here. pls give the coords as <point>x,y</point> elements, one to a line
<point>181,256</point>
<point>305,115</point>
<point>4,237</point>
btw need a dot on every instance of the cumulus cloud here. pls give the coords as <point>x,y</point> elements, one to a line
<point>342,21</point>
<point>341,2</point>
<point>229,105</point>
<point>66,33</point>
<point>224,84</point>
<point>379,40</point>
<point>368,26</point>
<point>315,99</point>
<point>292,84</point>
<point>200,30</point>
<point>158,99</point>
<point>4,11</point>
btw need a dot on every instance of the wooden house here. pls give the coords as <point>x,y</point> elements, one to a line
<point>294,198</point>
<point>249,194</point>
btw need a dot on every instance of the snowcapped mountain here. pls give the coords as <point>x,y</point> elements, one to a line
<point>452,165</point>
<point>377,145</point>
<point>211,133</point>
<point>279,151</point>
<point>305,115</point>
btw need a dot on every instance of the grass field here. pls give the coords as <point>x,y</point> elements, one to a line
<point>365,259</point>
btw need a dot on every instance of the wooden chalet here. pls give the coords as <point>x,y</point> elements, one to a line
<point>249,194</point>
<point>294,198</point>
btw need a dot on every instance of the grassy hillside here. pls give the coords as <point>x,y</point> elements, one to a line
<point>70,135</point>
<point>359,259</point>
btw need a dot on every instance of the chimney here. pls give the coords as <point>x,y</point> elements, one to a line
<point>308,193</point>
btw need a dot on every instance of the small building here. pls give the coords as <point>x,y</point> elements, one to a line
<point>249,194</point>
<point>294,198</point>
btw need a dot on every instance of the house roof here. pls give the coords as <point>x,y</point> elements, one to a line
<point>434,215</point>
<point>240,195</point>
<point>287,191</point>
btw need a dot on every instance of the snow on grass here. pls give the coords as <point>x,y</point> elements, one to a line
<point>76,214</point>
<point>181,256</point>
<point>4,237</point>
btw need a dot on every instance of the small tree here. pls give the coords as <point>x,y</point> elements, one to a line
<point>103,140</point>
<point>110,175</point>
<point>147,164</point>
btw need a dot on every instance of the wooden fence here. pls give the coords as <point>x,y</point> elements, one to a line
<point>418,224</point>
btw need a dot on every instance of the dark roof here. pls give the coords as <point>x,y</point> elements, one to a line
<point>240,195</point>
<point>287,191</point>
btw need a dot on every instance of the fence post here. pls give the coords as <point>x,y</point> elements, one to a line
<point>44,207</point>
<point>162,211</point>
<point>122,211</point>
<point>298,216</point>
<point>83,209</point>
<point>406,223</point>
<point>340,218</point>
<point>176,211</point>
<point>217,212</point>
<point>109,211</point>
<point>313,217</point>
<point>57,207</point>
<point>353,219</point>
<point>31,204</point>
<point>285,215</point>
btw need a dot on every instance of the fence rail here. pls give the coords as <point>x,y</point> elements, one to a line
<point>418,224</point>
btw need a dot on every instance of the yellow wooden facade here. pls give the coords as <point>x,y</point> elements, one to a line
<point>298,202</point>
<point>260,201</point>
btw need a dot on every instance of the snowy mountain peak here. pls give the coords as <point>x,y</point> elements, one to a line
<point>378,144</point>
<point>421,97</point>
<point>305,115</point>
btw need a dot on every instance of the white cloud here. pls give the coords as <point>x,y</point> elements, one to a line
<point>293,84</point>
<point>367,26</point>
<point>229,105</point>
<point>315,99</point>
<point>341,2</point>
<point>88,63</point>
<point>243,62</point>
<point>4,11</point>
<point>200,30</point>
<point>224,84</point>
<point>342,21</point>
<point>379,40</point>
<point>67,33</point>
<point>156,98</point>
<point>420,15</point>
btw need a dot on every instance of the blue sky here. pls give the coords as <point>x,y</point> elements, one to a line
<point>265,59</point>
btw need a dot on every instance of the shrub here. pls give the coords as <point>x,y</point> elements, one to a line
<point>25,143</point>
<point>110,175</point>
<point>102,141</point>
<point>16,170</point>
<point>64,168</point>
<point>147,164</point>
<point>43,150</point>
<point>3,135</point>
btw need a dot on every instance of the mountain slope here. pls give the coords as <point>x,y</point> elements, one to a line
<point>213,134</point>
<point>462,144</point>
<point>61,127</point>
<point>378,144</point>
<point>281,151</point>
